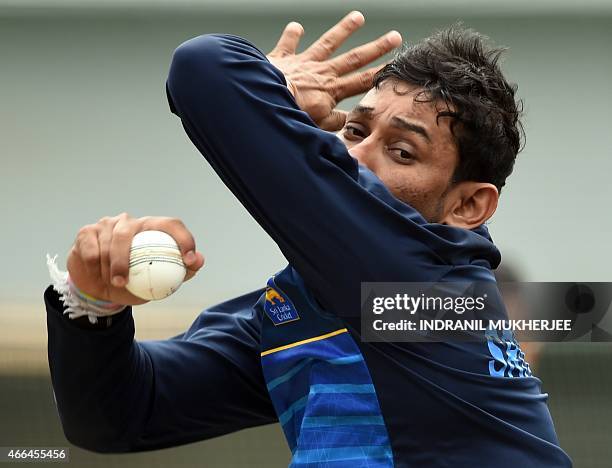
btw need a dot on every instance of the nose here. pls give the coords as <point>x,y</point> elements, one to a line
<point>365,153</point>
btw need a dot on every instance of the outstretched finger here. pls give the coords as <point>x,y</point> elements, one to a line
<point>289,40</point>
<point>323,47</point>
<point>356,83</point>
<point>359,56</point>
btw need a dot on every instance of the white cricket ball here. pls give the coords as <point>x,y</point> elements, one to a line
<point>156,266</point>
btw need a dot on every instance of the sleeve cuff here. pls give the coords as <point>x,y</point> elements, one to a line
<point>55,306</point>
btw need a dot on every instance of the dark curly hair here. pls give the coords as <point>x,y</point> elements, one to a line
<point>456,67</point>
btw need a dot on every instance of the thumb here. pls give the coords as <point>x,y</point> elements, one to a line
<point>334,121</point>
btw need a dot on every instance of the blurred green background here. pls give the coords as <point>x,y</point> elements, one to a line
<point>86,132</point>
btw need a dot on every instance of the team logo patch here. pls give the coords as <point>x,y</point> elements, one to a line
<point>278,306</point>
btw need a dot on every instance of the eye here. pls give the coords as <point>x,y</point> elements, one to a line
<point>352,132</point>
<point>402,155</point>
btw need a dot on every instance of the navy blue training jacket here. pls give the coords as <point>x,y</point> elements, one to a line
<point>291,352</point>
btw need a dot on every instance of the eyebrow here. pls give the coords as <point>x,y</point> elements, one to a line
<point>397,122</point>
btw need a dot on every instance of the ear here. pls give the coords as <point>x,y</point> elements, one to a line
<point>470,204</point>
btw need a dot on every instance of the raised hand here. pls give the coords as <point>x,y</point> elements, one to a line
<point>98,262</point>
<point>318,81</point>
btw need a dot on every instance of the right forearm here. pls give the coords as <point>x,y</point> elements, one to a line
<point>101,379</point>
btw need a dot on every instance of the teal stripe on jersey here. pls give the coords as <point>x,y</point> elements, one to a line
<point>341,453</point>
<point>287,375</point>
<point>327,421</point>
<point>344,360</point>
<point>294,408</point>
<point>342,388</point>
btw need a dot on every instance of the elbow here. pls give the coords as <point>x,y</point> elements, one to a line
<point>97,443</point>
<point>97,434</point>
<point>96,446</point>
<point>195,70</point>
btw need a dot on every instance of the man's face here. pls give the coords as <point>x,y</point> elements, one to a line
<point>400,141</point>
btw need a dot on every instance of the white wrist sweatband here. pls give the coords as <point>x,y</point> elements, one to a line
<point>77,303</point>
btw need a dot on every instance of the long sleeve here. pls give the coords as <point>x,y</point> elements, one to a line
<point>115,394</point>
<point>333,220</point>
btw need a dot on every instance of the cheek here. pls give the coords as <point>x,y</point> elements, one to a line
<point>419,191</point>
<point>407,184</point>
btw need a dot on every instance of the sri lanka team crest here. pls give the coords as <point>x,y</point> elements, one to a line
<point>278,306</point>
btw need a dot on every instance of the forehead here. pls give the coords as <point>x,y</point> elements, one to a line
<point>397,98</point>
<point>403,100</point>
